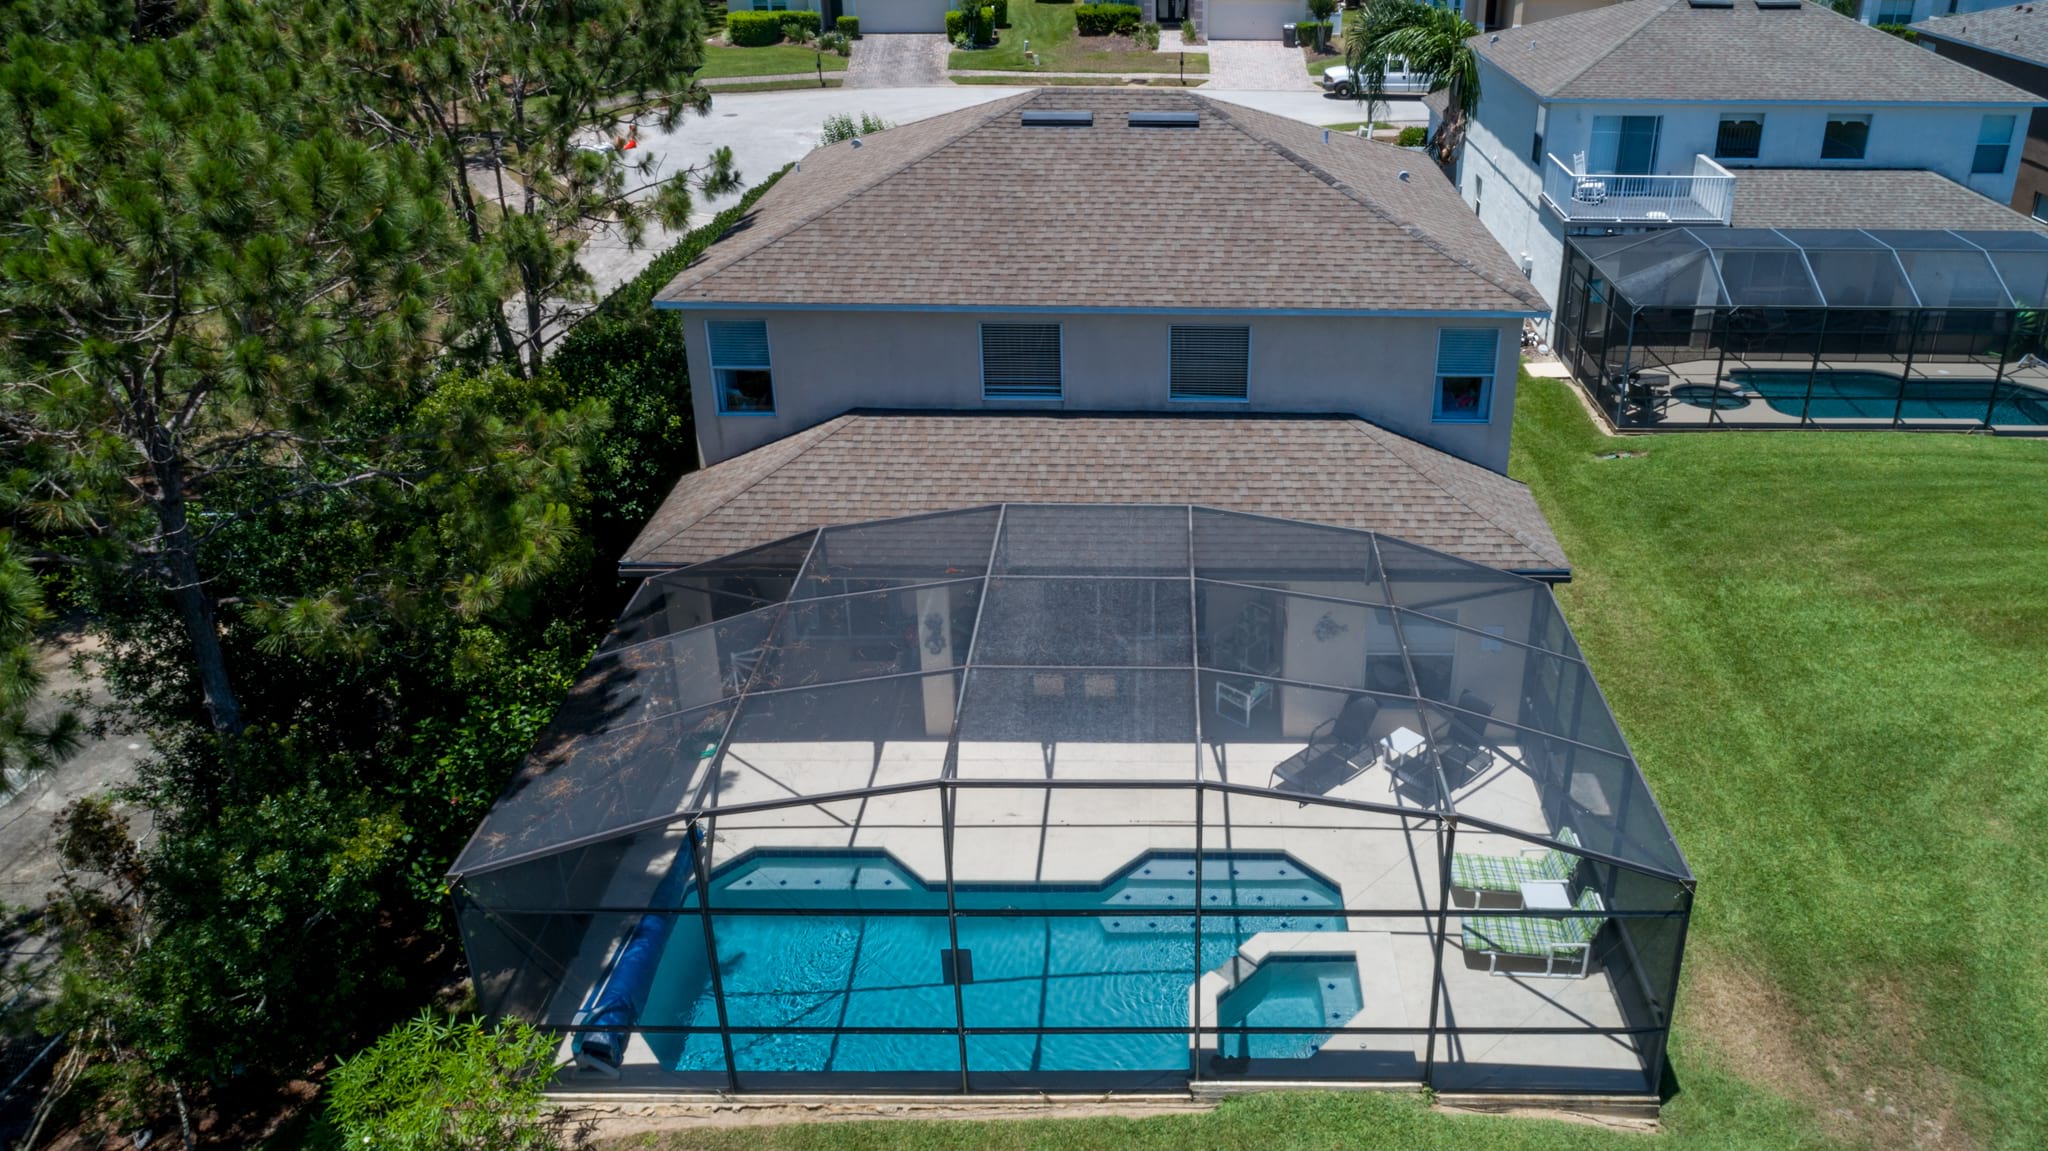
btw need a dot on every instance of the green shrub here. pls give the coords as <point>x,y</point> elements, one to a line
<point>798,24</point>
<point>1002,8</point>
<point>836,43</point>
<point>754,29</point>
<point>972,23</point>
<point>849,27</point>
<point>431,1085</point>
<point>1148,36</point>
<point>1414,136</point>
<point>1107,19</point>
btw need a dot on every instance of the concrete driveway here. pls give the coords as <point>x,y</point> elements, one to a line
<point>1256,66</point>
<point>898,60</point>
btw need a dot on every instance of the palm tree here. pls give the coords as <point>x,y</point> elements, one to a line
<point>1435,42</point>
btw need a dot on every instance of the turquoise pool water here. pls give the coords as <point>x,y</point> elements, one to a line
<point>1859,395</point>
<point>1127,964</point>
<point>1288,991</point>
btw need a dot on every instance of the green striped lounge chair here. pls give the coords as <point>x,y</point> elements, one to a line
<point>1564,938</point>
<point>1481,873</point>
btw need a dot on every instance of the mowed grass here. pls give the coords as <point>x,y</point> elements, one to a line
<point>1050,30</point>
<point>1830,653</point>
<point>722,60</point>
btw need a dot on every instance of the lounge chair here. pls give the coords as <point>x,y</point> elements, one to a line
<point>1565,937</point>
<point>1461,741</point>
<point>1333,751</point>
<point>1482,873</point>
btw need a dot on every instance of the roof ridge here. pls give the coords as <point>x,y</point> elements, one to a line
<point>795,446</point>
<point>1371,204</point>
<point>1426,469</point>
<point>1645,22</point>
<point>992,110</point>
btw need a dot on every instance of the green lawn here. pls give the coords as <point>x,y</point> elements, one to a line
<point>772,60</point>
<point>1830,653</point>
<point>1050,29</point>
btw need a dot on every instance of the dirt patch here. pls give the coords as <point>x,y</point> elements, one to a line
<point>1110,44</point>
<point>1865,1088</point>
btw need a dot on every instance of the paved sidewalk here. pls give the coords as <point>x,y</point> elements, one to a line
<point>898,60</point>
<point>1257,66</point>
<point>1170,41</point>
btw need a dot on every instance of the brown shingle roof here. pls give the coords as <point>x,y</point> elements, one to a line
<point>973,209</point>
<point>1324,469</point>
<point>1866,198</point>
<point>1668,50</point>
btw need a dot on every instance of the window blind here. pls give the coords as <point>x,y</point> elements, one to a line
<point>1467,351</point>
<point>738,344</point>
<point>1020,361</point>
<point>1210,363</point>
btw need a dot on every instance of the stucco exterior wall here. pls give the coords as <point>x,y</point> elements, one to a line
<point>2032,179</point>
<point>825,363</point>
<point>1496,177</point>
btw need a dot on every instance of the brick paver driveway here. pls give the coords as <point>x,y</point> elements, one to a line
<point>1256,65</point>
<point>897,60</point>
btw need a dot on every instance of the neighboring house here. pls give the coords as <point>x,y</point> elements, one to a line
<point>1897,12</point>
<point>1648,114</point>
<point>1488,15</point>
<point>2011,44</point>
<point>1074,251</point>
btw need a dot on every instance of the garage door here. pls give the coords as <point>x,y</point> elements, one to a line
<point>901,15</point>
<point>1246,19</point>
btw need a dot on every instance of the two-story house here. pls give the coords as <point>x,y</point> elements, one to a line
<point>2011,44</point>
<point>1105,295</point>
<point>1646,115</point>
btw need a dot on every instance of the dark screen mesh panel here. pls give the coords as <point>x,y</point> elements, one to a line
<point>1284,554</point>
<point>1082,622</point>
<point>925,628</point>
<point>1083,707</point>
<point>923,549</point>
<point>685,669</point>
<point>694,596</point>
<point>1104,539</point>
<point>575,786</point>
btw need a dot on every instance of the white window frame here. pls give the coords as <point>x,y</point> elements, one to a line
<point>1483,414</point>
<point>1243,399</point>
<point>1869,124</point>
<point>718,385</point>
<point>1059,391</point>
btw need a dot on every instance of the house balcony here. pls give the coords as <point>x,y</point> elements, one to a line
<point>1707,196</point>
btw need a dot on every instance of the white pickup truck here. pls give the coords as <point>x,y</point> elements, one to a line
<point>1338,80</point>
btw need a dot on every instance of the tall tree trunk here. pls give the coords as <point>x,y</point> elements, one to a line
<point>188,588</point>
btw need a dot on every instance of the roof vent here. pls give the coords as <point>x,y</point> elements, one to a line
<point>856,142</point>
<point>1165,120</point>
<point>1057,118</point>
<point>1779,3</point>
<point>1711,3</point>
<point>1404,175</point>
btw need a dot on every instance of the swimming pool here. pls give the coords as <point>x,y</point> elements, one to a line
<point>1865,395</point>
<point>1288,991</point>
<point>1127,959</point>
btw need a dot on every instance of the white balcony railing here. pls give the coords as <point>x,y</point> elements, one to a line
<point>1705,197</point>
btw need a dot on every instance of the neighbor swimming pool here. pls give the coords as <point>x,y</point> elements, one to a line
<point>1118,954</point>
<point>1864,395</point>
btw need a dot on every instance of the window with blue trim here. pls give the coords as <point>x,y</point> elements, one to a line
<point>1465,363</point>
<point>739,367</point>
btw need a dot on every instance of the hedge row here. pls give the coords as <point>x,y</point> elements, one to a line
<point>849,27</point>
<point>760,29</point>
<point>1107,19</point>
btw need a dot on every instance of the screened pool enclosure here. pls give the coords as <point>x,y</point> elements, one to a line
<point>1026,797</point>
<point>1767,328</point>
